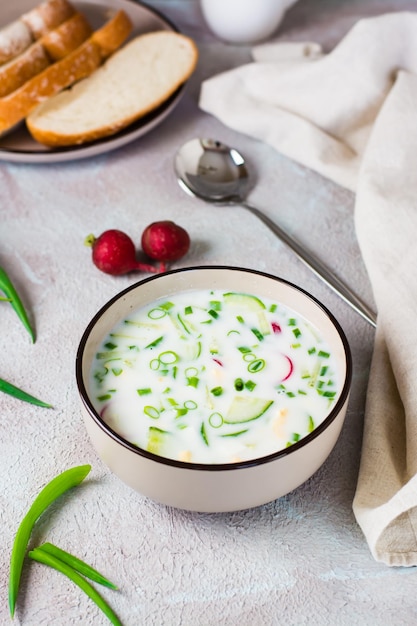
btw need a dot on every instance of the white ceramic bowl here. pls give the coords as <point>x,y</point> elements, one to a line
<point>226,487</point>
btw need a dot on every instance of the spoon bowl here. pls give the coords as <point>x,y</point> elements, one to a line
<point>216,173</point>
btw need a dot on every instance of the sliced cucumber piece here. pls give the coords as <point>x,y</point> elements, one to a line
<point>243,409</point>
<point>157,440</point>
<point>244,301</point>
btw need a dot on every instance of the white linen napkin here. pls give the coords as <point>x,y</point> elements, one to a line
<point>352,116</point>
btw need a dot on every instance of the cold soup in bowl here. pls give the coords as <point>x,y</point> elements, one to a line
<point>213,388</point>
<point>214,376</point>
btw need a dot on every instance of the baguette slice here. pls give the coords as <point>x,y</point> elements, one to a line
<point>134,81</point>
<point>52,47</point>
<point>47,16</point>
<point>68,36</point>
<point>77,65</point>
<point>22,68</point>
<point>14,39</point>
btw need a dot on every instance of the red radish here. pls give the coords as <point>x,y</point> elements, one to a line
<point>290,371</point>
<point>114,253</point>
<point>276,328</point>
<point>165,241</point>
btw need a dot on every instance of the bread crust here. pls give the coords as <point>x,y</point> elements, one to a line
<point>84,93</point>
<point>61,41</point>
<point>14,39</point>
<point>21,69</point>
<point>63,73</point>
<point>47,16</point>
<point>54,46</point>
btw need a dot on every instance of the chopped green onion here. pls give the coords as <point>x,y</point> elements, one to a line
<point>296,437</point>
<point>244,350</point>
<point>53,490</point>
<point>296,332</point>
<point>110,345</point>
<point>311,350</point>
<point>238,384</point>
<point>292,321</point>
<point>188,310</point>
<point>204,434</point>
<point>155,342</point>
<point>216,305</point>
<point>311,425</point>
<point>250,385</point>
<point>215,420</point>
<point>151,411</point>
<point>216,391</point>
<point>256,366</point>
<point>240,319</point>
<point>213,313</point>
<point>11,390</point>
<point>7,287</point>
<point>46,558</point>
<point>144,391</point>
<point>168,358</point>
<point>192,381</point>
<point>327,394</point>
<point>104,397</point>
<point>257,334</point>
<point>323,354</point>
<point>117,371</point>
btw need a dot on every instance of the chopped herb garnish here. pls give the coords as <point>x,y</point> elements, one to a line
<point>204,434</point>
<point>155,342</point>
<point>216,391</point>
<point>151,411</point>
<point>144,391</point>
<point>323,354</point>
<point>239,384</point>
<point>257,334</point>
<point>256,366</point>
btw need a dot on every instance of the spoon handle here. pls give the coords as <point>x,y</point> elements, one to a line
<point>316,266</point>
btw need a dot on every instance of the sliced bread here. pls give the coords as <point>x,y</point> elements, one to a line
<point>14,39</point>
<point>134,81</point>
<point>47,16</point>
<point>61,74</point>
<point>61,41</point>
<point>52,47</point>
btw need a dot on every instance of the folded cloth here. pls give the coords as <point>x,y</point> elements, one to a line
<point>351,115</point>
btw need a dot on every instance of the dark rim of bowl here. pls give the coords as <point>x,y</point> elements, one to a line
<point>217,466</point>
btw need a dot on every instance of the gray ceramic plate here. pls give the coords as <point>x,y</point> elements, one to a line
<point>18,146</point>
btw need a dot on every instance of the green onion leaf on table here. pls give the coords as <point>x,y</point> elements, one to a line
<point>76,564</point>
<point>53,490</point>
<point>7,287</point>
<point>14,391</point>
<point>46,557</point>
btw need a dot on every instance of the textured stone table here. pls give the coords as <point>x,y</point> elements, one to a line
<point>299,560</point>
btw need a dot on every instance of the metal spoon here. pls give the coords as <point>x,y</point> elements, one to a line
<point>212,171</point>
